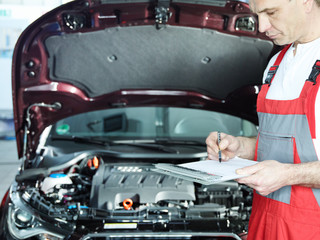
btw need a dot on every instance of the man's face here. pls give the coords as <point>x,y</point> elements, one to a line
<point>281,20</point>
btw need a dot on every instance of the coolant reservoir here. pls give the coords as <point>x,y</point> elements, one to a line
<point>53,180</point>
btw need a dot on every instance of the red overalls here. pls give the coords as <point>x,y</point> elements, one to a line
<point>286,130</point>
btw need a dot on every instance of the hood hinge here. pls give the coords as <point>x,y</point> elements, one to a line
<point>27,124</point>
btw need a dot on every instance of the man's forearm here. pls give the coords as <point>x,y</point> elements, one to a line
<point>304,174</point>
<point>247,147</point>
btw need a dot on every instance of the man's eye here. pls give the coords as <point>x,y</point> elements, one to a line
<point>271,13</point>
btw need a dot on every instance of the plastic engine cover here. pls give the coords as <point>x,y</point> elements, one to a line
<point>112,184</point>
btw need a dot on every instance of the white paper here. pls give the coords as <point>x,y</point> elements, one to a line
<point>226,169</point>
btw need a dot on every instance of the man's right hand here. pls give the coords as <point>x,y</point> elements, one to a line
<point>230,146</point>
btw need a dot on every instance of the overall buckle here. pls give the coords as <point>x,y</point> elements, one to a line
<point>314,72</point>
<point>272,71</point>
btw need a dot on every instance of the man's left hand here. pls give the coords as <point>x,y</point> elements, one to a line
<point>265,177</point>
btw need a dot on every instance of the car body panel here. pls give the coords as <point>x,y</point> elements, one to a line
<point>90,55</point>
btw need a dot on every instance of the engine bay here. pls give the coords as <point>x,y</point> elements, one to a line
<point>128,195</point>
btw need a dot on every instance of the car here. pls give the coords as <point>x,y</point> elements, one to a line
<point>104,90</point>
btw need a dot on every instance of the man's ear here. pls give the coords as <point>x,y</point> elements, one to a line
<point>308,5</point>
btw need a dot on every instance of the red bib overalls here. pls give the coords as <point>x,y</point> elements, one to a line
<point>286,130</point>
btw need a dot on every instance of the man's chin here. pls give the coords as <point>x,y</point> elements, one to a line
<point>280,42</point>
<point>278,39</point>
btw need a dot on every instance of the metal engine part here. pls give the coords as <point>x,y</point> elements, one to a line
<point>112,184</point>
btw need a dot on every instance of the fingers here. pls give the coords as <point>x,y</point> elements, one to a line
<point>225,141</point>
<point>227,151</point>
<point>211,141</point>
<point>252,182</point>
<point>213,147</point>
<point>265,177</point>
<point>249,170</point>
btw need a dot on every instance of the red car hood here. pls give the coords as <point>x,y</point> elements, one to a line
<point>89,55</point>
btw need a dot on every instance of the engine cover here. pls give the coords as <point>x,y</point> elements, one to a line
<point>112,184</point>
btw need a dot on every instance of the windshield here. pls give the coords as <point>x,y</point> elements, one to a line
<point>152,122</point>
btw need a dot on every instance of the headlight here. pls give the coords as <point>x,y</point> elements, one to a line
<point>22,225</point>
<point>46,236</point>
<point>22,219</point>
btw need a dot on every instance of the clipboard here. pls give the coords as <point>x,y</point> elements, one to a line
<point>206,172</point>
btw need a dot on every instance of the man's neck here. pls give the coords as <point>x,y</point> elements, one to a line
<point>312,30</point>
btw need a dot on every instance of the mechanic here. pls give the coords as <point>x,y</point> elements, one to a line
<point>287,178</point>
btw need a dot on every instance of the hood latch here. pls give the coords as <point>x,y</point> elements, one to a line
<point>162,13</point>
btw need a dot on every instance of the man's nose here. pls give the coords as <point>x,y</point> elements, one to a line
<point>264,23</point>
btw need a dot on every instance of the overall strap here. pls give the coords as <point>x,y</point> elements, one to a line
<point>261,105</point>
<point>273,69</point>
<point>314,72</point>
<point>310,92</point>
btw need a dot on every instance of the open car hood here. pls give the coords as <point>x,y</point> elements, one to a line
<point>97,54</point>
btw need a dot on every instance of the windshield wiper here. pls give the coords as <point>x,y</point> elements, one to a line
<point>81,140</point>
<point>151,146</point>
<point>108,143</point>
<point>180,142</point>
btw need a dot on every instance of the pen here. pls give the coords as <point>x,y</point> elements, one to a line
<point>219,139</point>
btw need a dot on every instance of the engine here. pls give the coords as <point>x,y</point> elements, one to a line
<point>119,186</point>
<point>134,187</point>
<point>114,193</point>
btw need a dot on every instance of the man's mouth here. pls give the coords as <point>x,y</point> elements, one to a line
<point>272,36</point>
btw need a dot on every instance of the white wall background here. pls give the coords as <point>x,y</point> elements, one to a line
<point>15,16</point>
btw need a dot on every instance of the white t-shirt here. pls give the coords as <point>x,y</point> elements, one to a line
<point>291,76</point>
